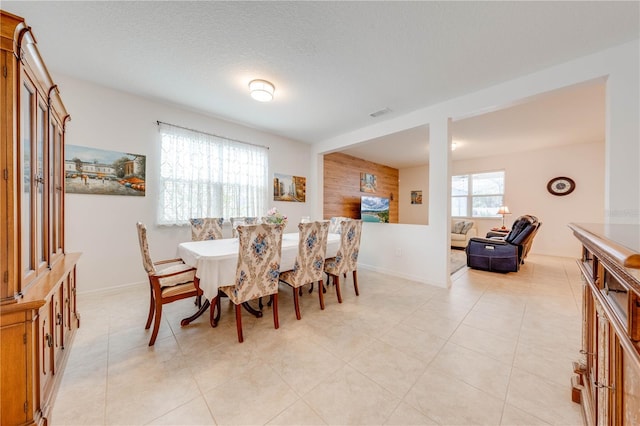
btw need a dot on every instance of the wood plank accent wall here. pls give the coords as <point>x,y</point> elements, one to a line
<point>342,185</point>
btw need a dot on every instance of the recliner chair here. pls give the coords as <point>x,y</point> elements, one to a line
<point>503,254</point>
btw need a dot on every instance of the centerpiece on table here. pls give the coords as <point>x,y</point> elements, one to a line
<point>274,216</point>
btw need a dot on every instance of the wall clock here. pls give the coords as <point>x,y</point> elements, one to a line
<point>561,186</point>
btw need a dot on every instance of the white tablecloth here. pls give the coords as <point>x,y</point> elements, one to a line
<point>216,260</point>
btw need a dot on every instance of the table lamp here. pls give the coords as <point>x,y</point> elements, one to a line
<point>503,210</point>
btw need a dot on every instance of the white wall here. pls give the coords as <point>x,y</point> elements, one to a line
<point>526,177</point>
<point>618,65</point>
<point>102,227</point>
<point>413,179</point>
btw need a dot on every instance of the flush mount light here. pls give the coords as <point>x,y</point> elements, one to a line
<point>261,90</point>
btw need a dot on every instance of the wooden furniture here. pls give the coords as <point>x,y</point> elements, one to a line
<point>38,312</point>
<point>607,381</point>
<point>169,280</point>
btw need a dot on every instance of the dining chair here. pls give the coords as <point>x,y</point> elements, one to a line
<point>346,260</point>
<point>235,221</point>
<point>335,224</point>
<point>309,264</point>
<point>174,281</point>
<point>206,228</point>
<point>257,271</point>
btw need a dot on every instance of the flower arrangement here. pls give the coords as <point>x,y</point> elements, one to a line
<point>274,216</point>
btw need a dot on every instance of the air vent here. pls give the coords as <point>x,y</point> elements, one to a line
<point>379,113</point>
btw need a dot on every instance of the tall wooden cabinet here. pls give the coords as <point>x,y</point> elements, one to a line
<point>38,314</point>
<point>607,380</point>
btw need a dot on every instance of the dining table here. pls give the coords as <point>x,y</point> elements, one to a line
<point>216,262</point>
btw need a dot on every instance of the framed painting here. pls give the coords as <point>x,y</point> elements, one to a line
<point>289,188</point>
<point>367,182</point>
<point>102,172</point>
<point>416,197</point>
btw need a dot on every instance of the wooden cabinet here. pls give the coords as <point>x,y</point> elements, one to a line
<point>38,311</point>
<point>607,381</point>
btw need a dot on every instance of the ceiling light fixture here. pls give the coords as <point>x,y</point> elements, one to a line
<point>261,90</point>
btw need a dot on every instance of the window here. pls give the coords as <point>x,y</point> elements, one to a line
<point>203,175</point>
<point>477,195</point>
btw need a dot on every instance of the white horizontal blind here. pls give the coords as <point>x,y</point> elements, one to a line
<point>202,175</point>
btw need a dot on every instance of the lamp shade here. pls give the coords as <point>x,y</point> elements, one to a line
<point>261,90</point>
<point>504,210</point>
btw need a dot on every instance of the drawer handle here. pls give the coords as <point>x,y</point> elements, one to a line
<point>49,339</point>
<point>58,318</point>
<point>583,352</point>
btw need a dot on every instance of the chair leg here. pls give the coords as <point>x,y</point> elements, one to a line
<point>276,322</point>
<point>321,294</point>
<point>198,301</point>
<point>336,281</point>
<point>152,305</point>
<point>156,323</point>
<point>213,318</point>
<point>239,322</point>
<point>296,301</point>
<point>355,283</point>
<point>310,289</point>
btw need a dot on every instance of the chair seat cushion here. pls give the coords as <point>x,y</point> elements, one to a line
<point>183,274</point>
<point>288,277</point>
<point>331,266</point>
<point>178,289</point>
<point>458,237</point>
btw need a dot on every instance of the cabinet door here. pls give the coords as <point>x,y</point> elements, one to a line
<point>26,183</point>
<point>630,395</point>
<point>56,195</point>
<point>40,189</point>
<point>13,381</point>
<point>58,327</point>
<point>45,352</point>
<point>601,380</point>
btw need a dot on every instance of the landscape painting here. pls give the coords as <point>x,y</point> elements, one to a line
<point>289,188</point>
<point>374,209</point>
<point>98,171</point>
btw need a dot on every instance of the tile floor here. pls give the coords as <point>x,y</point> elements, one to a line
<point>493,349</point>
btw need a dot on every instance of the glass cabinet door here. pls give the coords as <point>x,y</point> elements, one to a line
<point>41,222</point>
<point>27,107</point>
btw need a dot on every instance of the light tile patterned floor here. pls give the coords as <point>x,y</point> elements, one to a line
<point>495,349</point>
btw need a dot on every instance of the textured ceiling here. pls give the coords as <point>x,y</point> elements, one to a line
<point>333,63</point>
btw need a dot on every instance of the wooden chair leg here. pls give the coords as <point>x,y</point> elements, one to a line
<point>336,281</point>
<point>152,306</point>
<point>310,289</point>
<point>296,301</point>
<point>321,294</point>
<point>355,283</point>
<point>239,322</point>
<point>215,304</point>
<point>276,322</point>
<point>156,323</point>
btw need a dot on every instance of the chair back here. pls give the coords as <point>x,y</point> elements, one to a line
<point>258,270</point>
<point>312,250</point>
<point>521,229</point>
<point>144,248</point>
<point>206,228</point>
<point>335,224</point>
<point>347,256</point>
<point>242,221</point>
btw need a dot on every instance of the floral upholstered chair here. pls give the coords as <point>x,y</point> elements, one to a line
<point>173,281</point>
<point>309,264</point>
<point>206,228</point>
<point>335,224</point>
<point>346,259</point>
<point>257,273</point>
<point>235,221</point>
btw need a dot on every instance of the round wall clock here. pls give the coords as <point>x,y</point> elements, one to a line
<point>561,186</point>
